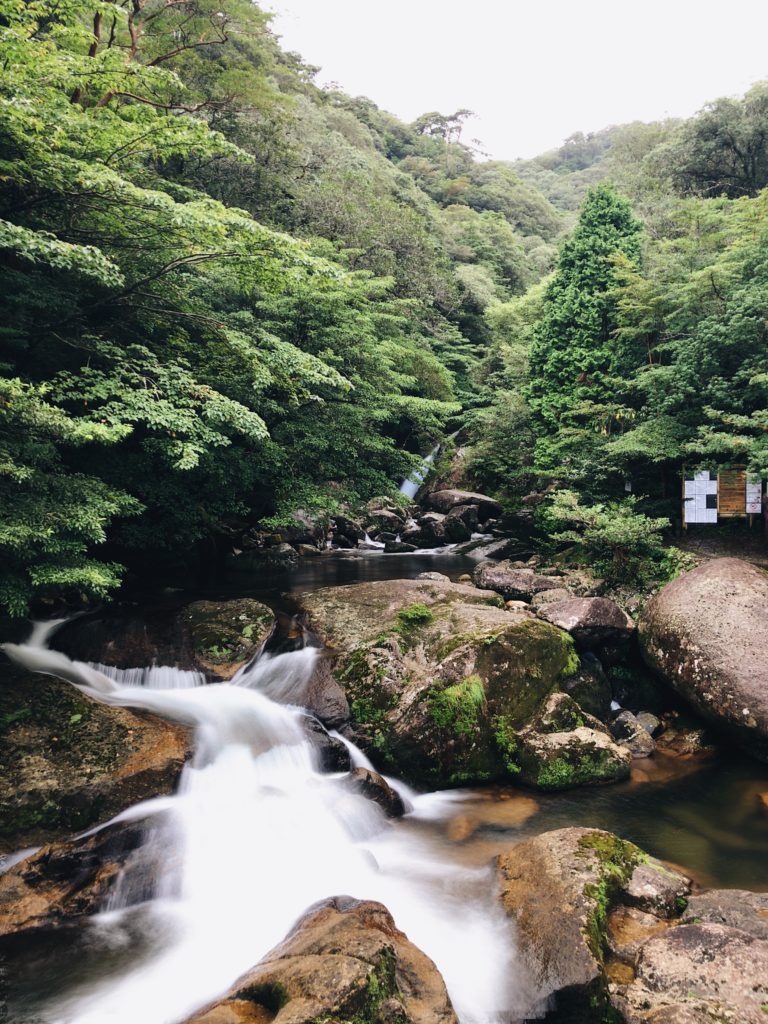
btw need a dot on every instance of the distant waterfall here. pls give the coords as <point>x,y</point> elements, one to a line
<point>411,484</point>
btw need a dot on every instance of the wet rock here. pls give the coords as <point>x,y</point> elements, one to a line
<point>324,697</point>
<point>279,557</point>
<point>307,550</point>
<point>444,501</point>
<point>385,519</point>
<point>332,755</point>
<point>398,547</point>
<point>351,528</point>
<point>68,762</point>
<point>438,676</point>
<point>656,888</point>
<point>736,908</point>
<point>698,972</point>
<point>431,527</point>
<point>224,635</point>
<point>374,787</point>
<point>649,722</point>
<point>706,633</point>
<point>630,733</point>
<point>63,882</point>
<point>303,529</point>
<point>591,621</point>
<point>628,928</point>
<point>345,960</point>
<point>590,688</point>
<point>505,547</point>
<point>558,888</point>
<point>467,515</point>
<point>513,584</point>
<point>439,576</point>
<point>344,543</point>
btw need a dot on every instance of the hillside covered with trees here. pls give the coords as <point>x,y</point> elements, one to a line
<point>230,294</point>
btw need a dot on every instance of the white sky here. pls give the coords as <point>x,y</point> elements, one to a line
<point>534,71</point>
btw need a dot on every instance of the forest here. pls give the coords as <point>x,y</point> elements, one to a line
<point>230,294</point>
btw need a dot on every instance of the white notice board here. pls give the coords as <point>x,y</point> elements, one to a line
<point>700,498</point>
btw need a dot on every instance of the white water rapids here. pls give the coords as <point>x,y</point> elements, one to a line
<point>254,836</point>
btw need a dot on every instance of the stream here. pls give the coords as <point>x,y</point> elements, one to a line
<point>256,834</point>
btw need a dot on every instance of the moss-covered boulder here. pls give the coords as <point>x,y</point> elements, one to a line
<point>563,746</point>
<point>439,677</point>
<point>223,635</point>
<point>345,962</point>
<point>68,762</point>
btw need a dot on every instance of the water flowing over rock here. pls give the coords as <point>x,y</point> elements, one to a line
<point>706,633</point>
<point>154,930</point>
<point>438,676</point>
<point>68,762</point>
<point>345,960</point>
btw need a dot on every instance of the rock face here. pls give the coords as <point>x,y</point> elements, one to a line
<point>564,746</point>
<point>438,676</point>
<point>68,762</point>
<point>344,961</point>
<point>444,501</point>
<point>736,908</point>
<point>698,973</point>
<point>589,620</point>
<point>707,633</point>
<point>514,584</point>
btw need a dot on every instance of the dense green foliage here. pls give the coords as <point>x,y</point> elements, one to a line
<point>230,294</point>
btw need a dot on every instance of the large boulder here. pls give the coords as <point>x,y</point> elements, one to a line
<point>444,501</point>
<point>558,887</point>
<point>439,677</point>
<point>737,908</point>
<point>215,637</point>
<point>590,620</point>
<point>345,961</point>
<point>706,633</point>
<point>513,583</point>
<point>697,974</point>
<point>68,762</point>
<point>565,890</point>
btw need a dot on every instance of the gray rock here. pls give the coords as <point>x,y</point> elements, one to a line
<point>444,501</point>
<point>513,584</point>
<point>590,620</point>
<point>630,733</point>
<point>706,633</point>
<point>439,576</point>
<point>332,755</point>
<point>656,888</point>
<point>737,908</point>
<point>649,722</point>
<point>590,687</point>
<point>545,597</point>
<point>398,547</point>
<point>698,972</point>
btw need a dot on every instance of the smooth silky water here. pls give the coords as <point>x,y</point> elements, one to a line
<point>256,835</point>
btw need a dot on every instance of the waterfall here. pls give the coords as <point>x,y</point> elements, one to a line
<point>411,484</point>
<point>253,837</point>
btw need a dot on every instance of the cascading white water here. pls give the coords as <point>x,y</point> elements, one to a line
<point>410,486</point>
<point>254,836</point>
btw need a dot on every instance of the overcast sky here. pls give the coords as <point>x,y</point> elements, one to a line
<point>534,71</point>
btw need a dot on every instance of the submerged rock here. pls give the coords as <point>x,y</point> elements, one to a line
<point>706,633</point>
<point>438,676</point>
<point>374,787</point>
<point>344,961</point>
<point>68,762</point>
